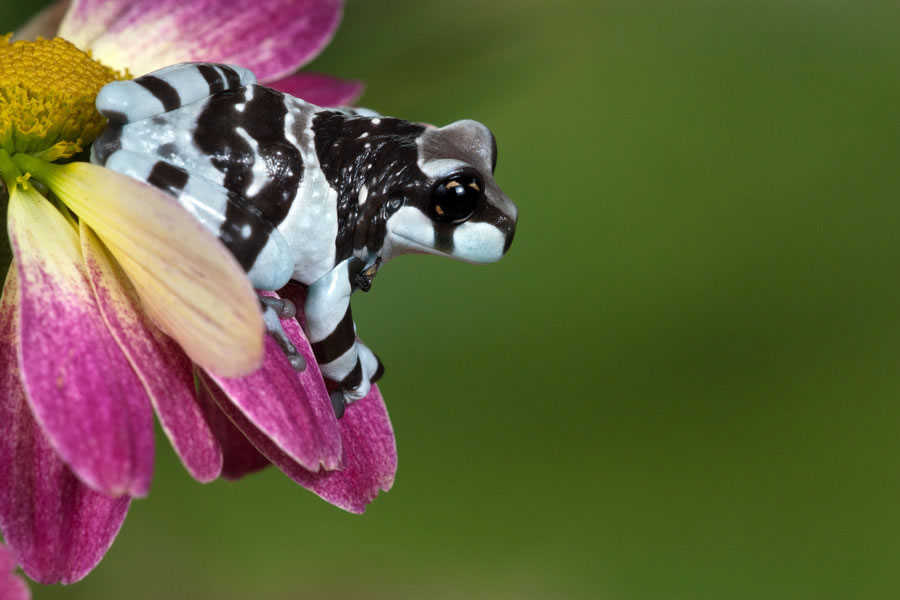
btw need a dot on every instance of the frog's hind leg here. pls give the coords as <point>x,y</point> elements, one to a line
<point>168,89</point>
<point>227,215</point>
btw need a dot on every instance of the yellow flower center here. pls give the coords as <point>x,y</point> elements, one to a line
<point>47,92</point>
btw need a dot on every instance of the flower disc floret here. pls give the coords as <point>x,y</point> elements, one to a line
<point>47,92</point>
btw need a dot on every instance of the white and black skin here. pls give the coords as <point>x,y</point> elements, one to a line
<point>320,196</point>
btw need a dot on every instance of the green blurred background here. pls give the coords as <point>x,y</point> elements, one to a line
<point>682,382</point>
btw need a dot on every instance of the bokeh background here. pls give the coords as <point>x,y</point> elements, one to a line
<point>684,379</point>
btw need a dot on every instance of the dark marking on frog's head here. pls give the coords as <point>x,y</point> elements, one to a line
<point>406,187</point>
<point>371,163</point>
<point>458,210</point>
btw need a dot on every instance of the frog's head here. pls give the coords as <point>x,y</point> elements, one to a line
<point>456,208</point>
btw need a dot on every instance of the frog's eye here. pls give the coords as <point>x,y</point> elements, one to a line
<point>454,199</point>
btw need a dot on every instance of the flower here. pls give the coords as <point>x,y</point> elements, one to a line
<point>272,38</point>
<point>77,436</point>
<point>103,265</point>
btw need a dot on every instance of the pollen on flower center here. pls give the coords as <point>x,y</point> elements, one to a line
<point>47,92</point>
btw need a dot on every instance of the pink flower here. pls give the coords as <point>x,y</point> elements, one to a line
<point>272,38</point>
<point>83,362</point>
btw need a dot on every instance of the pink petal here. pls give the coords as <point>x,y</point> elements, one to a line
<point>369,449</point>
<point>321,90</point>
<point>190,284</point>
<point>161,365</point>
<point>82,391</point>
<point>11,587</point>
<point>240,457</point>
<point>291,409</point>
<point>270,37</point>
<point>370,457</point>
<point>58,527</point>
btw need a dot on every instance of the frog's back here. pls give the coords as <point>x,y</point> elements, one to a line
<point>233,157</point>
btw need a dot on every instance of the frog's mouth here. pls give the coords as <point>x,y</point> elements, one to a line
<point>413,231</point>
<point>474,241</point>
<point>417,247</point>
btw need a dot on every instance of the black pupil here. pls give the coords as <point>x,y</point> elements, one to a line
<point>455,199</point>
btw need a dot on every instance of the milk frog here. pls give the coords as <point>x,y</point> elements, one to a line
<point>321,196</point>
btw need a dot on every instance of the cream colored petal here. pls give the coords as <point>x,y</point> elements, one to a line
<point>160,364</point>
<point>189,282</point>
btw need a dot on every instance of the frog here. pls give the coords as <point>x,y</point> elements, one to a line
<point>319,196</point>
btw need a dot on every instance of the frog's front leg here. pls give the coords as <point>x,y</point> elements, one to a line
<point>329,322</point>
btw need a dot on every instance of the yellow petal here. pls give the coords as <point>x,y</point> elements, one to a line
<point>189,282</point>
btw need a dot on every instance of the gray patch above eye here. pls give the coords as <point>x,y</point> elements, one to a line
<point>438,168</point>
<point>466,141</point>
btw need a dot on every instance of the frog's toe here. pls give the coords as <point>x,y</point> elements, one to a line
<point>167,89</point>
<point>338,403</point>
<point>283,307</point>
<point>275,309</point>
<point>298,362</point>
